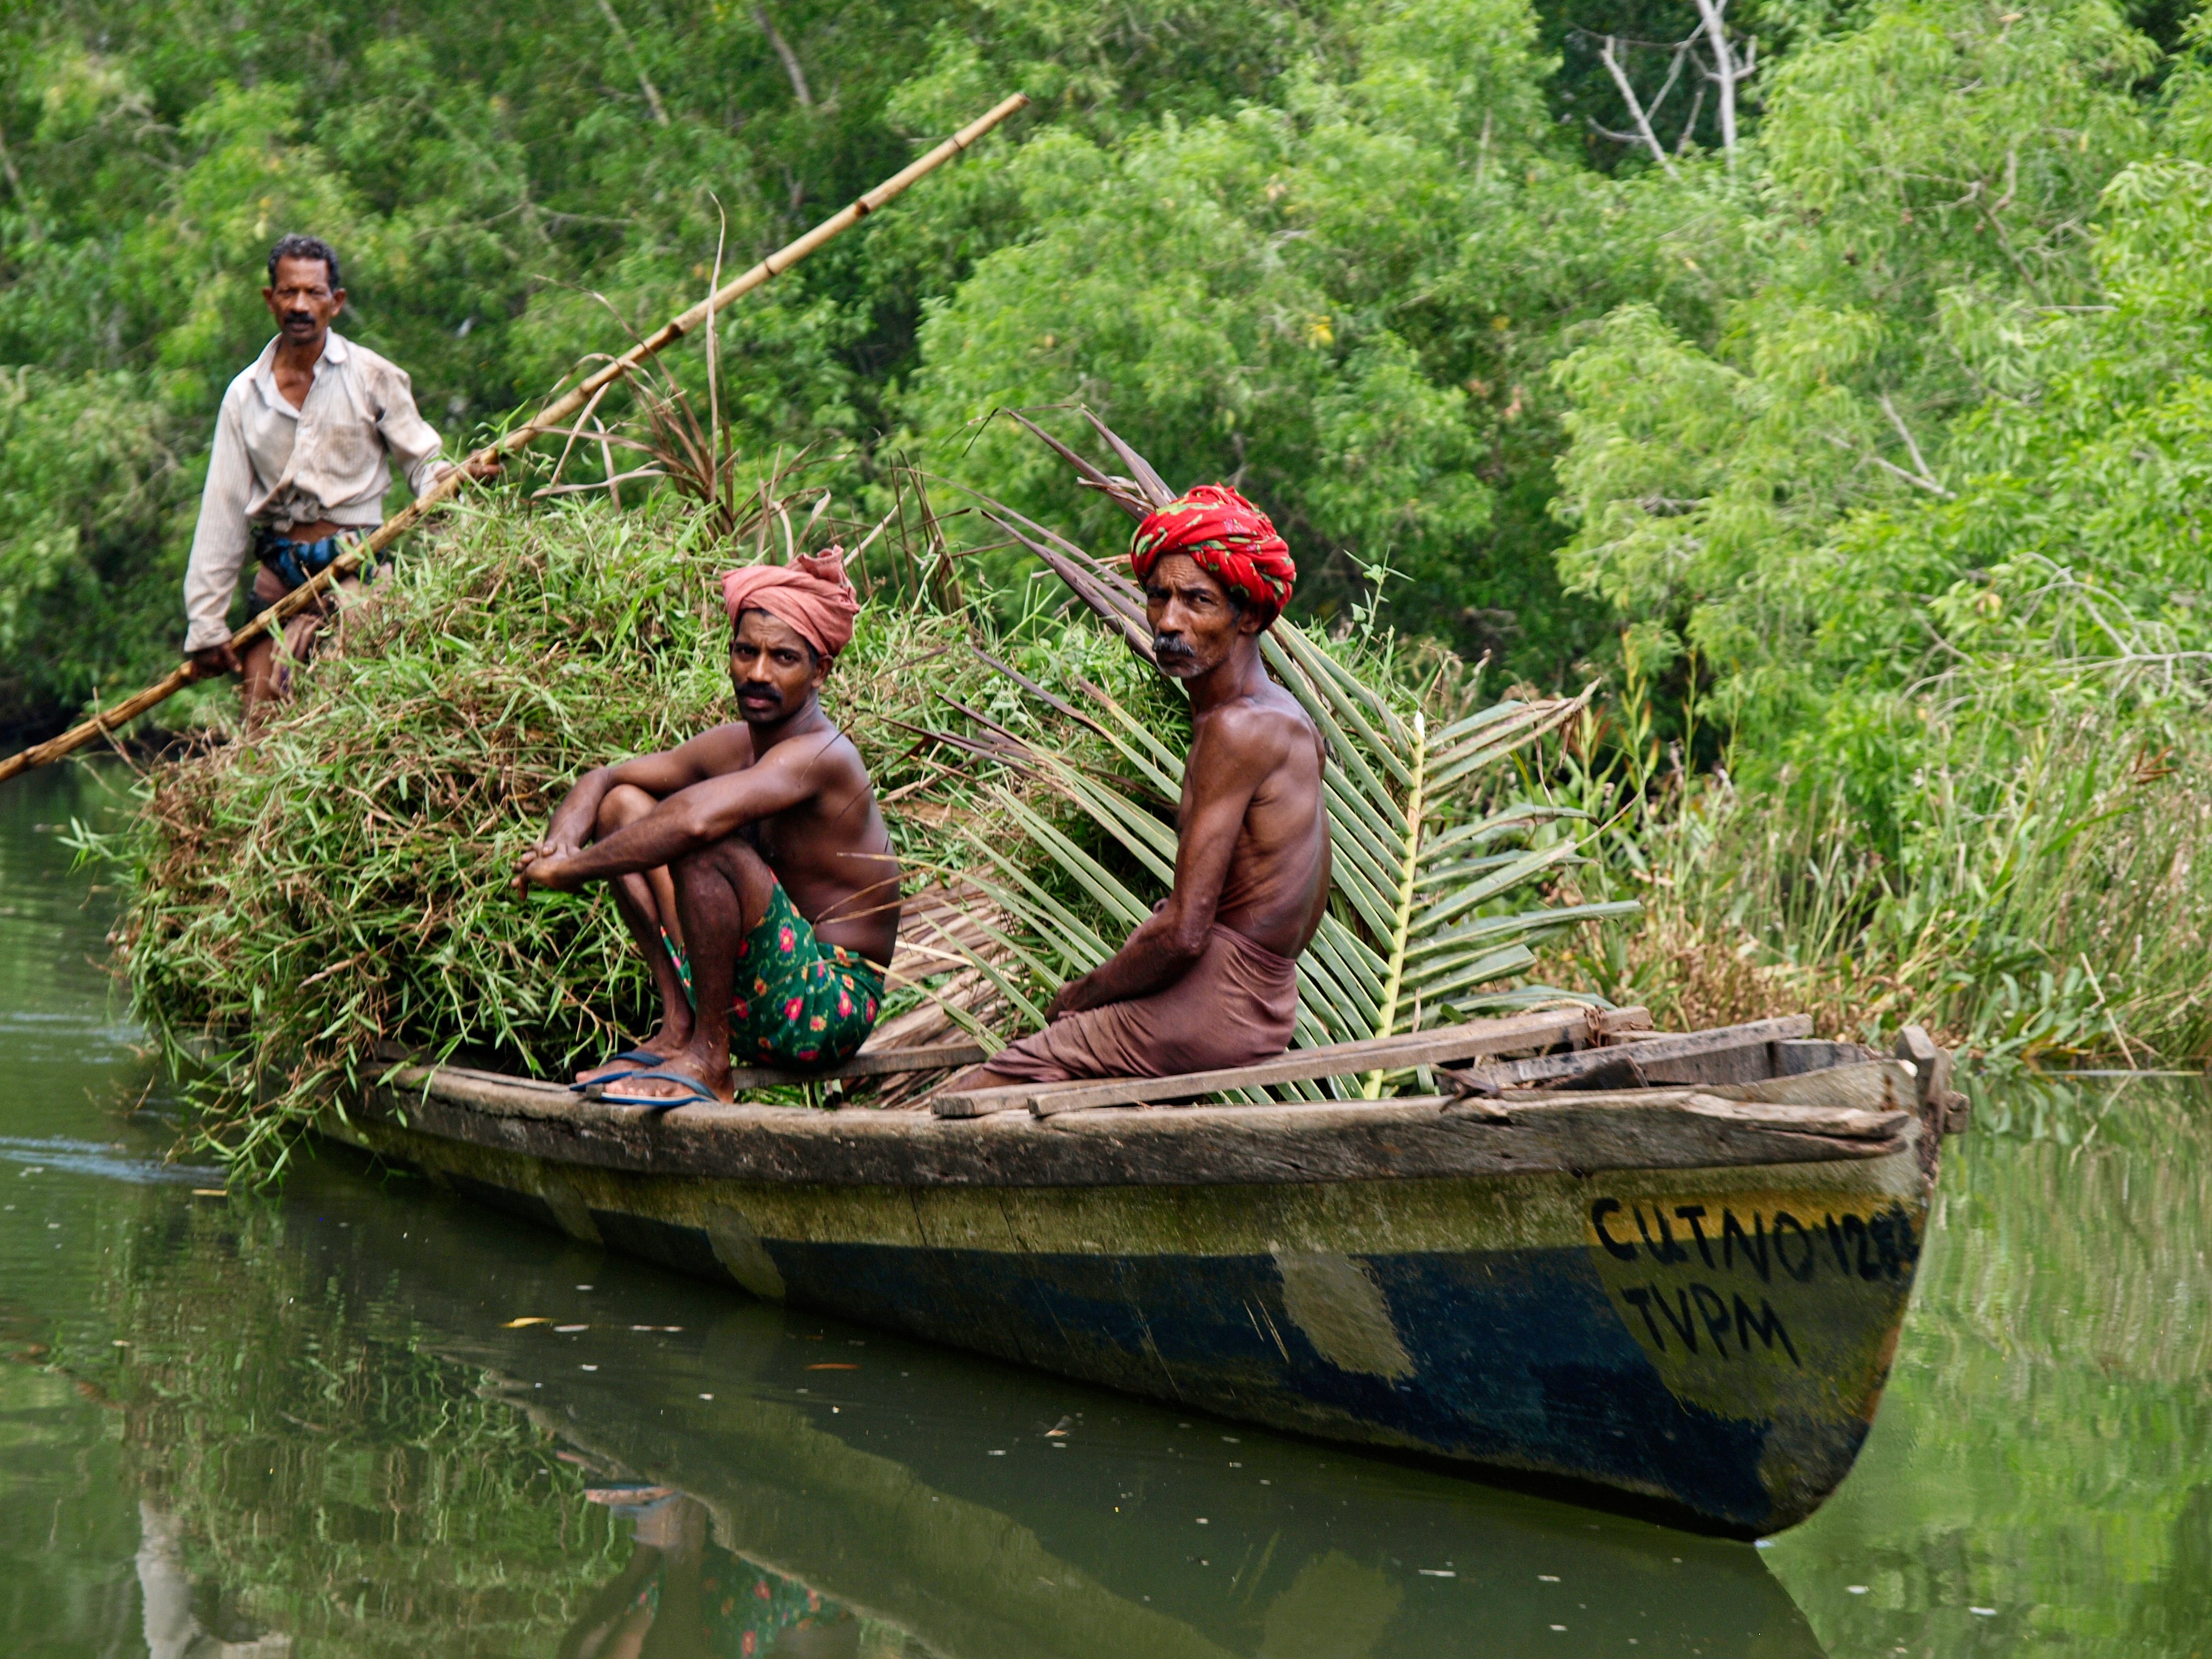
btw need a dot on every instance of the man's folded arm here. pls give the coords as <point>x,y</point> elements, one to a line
<point>660,775</point>
<point>663,773</point>
<point>700,814</point>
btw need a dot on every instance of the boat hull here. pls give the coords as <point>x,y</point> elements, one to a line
<point>1711,1341</point>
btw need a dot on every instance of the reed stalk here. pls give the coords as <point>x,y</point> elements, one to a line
<point>2042,902</point>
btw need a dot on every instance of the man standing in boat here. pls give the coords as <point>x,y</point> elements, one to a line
<point>1209,979</point>
<point>750,864</point>
<point>301,461</point>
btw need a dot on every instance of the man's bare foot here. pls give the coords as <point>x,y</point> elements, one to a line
<point>654,1052</point>
<point>685,1079</point>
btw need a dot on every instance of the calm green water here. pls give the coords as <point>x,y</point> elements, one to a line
<point>303,1426</point>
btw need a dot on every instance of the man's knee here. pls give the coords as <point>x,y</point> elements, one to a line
<point>619,808</point>
<point>735,861</point>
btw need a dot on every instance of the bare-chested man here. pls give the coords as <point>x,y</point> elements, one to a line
<point>1210,978</point>
<point>750,864</point>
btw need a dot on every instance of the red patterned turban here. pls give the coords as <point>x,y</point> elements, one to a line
<point>1230,539</point>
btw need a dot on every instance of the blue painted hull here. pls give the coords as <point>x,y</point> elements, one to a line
<point>1711,1342</point>
<point>1520,1360</point>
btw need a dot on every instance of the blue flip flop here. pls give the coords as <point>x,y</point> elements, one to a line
<point>700,1095</point>
<point>644,1062</point>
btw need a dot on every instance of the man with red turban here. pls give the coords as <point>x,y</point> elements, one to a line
<point>750,864</point>
<point>1209,979</point>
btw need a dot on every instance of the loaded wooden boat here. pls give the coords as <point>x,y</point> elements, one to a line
<point>1668,1268</point>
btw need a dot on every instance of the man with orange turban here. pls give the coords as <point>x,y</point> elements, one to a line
<point>1209,979</point>
<point>750,864</point>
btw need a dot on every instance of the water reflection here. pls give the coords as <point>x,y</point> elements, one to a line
<point>684,1597</point>
<point>497,1442</point>
<point>2040,1477</point>
<point>183,1619</point>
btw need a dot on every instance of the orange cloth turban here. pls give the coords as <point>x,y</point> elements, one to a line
<point>811,594</point>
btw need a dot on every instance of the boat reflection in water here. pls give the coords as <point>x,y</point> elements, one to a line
<point>780,1484</point>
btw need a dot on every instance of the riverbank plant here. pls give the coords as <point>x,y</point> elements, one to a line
<point>2037,894</point>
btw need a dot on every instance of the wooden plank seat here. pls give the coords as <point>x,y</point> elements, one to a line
<point>1727,1053</point>
<point>1518,1033</point>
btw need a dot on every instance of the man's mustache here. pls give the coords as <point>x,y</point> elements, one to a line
<point>1173,644</point>
<point>303,316</point>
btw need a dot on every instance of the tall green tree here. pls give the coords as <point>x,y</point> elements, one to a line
<point>1341,298</point>
<point>512,187</point>
<point>1924,209</point>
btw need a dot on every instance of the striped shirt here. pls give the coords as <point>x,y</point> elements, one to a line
<point>278,466</point>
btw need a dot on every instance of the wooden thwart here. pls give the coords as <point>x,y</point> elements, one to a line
<point>1850,1122</point>
<point>1478,1037</point>
<point>1646,1059</point>
<point>884,1062</point>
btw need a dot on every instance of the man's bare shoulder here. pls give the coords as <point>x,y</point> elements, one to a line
<point>826,756</point>
<point>721,749</point>
<point>1265,723</point>
<point>828,749</point>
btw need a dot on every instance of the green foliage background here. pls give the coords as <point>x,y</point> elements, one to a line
<point>1871,454</point>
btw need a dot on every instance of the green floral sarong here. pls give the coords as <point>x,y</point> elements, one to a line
<point>798,1003</point>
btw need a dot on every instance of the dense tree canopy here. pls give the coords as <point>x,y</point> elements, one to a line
<point>1909,379</point>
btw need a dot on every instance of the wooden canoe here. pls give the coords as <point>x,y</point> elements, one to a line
<point>1687,1292</point>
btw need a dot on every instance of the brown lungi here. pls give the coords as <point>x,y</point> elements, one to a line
<point>1235,1005</point>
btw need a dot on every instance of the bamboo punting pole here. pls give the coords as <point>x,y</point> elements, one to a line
<point>110,720</point>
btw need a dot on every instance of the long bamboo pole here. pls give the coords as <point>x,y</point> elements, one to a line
<point>110,720</point>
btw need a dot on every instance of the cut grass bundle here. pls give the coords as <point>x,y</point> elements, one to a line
<point>345,883</point>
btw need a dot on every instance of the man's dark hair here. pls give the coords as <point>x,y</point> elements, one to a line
<point>1240,602</point>
<point>305,247</point>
